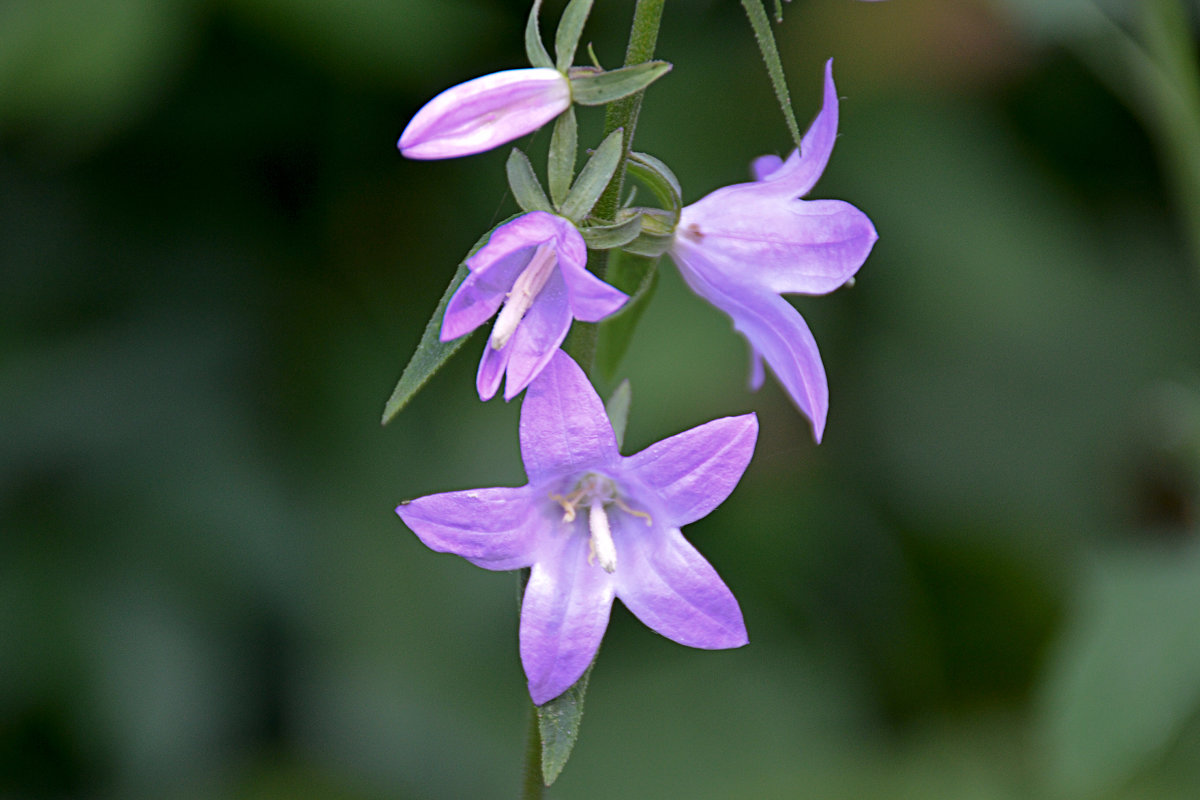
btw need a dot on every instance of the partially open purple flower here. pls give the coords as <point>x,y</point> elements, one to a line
<point>595,525</point>
<point>486,112</point>
<point>743,245</point>
<point>533,270</point>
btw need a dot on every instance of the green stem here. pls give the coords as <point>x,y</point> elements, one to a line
<point>623,113</point>
<point>533,788</point>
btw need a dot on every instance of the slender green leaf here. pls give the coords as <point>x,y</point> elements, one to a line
<point>591,88</point>
<point>638,277</point>
<point>617,408</point>
<point>659,178</point>
<point>431,351</point>
<point>535,49</point>
<point>619,234</point>
<point>558,723</point>
<point>564,144</point>
<point>770,55</point>
<point>523,182</point>
<point>593,178</point>
<point>570,28</point>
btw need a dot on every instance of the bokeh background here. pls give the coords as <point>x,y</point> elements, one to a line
<point>984,584</point>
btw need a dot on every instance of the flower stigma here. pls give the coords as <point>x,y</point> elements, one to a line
<point>524,290</point>
<point>595,492</point>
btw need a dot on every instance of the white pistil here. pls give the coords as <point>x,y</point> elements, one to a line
<point>601,544</point>
<point>524,291</point>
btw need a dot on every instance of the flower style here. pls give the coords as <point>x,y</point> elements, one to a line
<point>535,266</point>
<point>485,112</point>
<point>743,245</point>
<point>595,525</point>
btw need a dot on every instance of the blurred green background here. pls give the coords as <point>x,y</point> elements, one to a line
<point>984,584</point>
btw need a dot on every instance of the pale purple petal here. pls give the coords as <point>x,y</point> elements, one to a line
<point>799,173</point>
<point>671,588</point>
<point>564,428</point>
<point>764,166</point>
<point>591,298</point>
<point>774,329</point>
<point>494,528</point>
<point>481,294</point>
<point>491,370</point>
<point>781,245</point>
<point>691,473</point>
<point>563,617</point>
<point>538,336</point>
<point>485,112</point>
<point>523,232</point>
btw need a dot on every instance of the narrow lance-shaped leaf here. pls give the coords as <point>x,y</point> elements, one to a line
<point>593,178</point>
<point>558,723</point>
<point>638,277</point>
<point>535,49</point>
<point>770,55</point>
<point>591,88</point>
<point>431,351</point>
<point>523,182</point>
<point>570,28</point>
<point>564,145</point>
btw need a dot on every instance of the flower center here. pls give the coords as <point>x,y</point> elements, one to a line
<point>524,291</point>
<point>596,492</point>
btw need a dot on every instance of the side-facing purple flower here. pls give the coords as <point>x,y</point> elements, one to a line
<point>533,269</point>
<point>595,525</point>
<point>486,112</point>
<point>743,245</point>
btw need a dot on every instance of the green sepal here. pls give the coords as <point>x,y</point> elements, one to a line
<point>593,178</point>
<point>523,181</point>
<point>637,276</point>
<point>535,49</point>
<point>618,234</point>
<point>431,351</point>
<point>657,234</point>
<point>617,409</point>
<point>657,177</point>
<point>564,145</point>
<point>592,88</point>
<point>770,55</point>
<point>570,28</point>
<point>558,724</point>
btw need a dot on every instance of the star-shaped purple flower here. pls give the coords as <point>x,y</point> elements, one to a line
<point>534,271</point>
<point>741,246</point>
<point>595,525</point>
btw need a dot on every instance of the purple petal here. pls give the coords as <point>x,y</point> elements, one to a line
<point>693,472</point>
<point>485,112</point>
<point>563,617</point>
<point>780,244</point>
<point>538,336</point>
<point>521,233</point>
<point>493,528</point>
<point>491,370</point>
<point>775,330</point>
<point>591,298</point>
<point>800,173</point>
<point>481,294</point>
<point>764,166</point>
<point>673,590</point>
<point>564,427</point>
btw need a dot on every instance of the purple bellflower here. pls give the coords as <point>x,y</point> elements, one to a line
<point>743,245</point>
<point>595,525</point>
<point>486,112</point>
<point>533,269</point>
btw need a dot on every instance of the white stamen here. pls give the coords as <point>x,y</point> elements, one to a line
<point>524,290</point>
<point>601,543</point>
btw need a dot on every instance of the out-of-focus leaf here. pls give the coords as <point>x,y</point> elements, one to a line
<point>636,276</point>
<point>431,352</point>
<point>594,176</point>
<point>570,27</point>
<point>535,48</point>
<point>87,67</point>
<point>523,182</point>
<point>560,166</point>
<point>1125,680</point>
<point>590,88</point>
